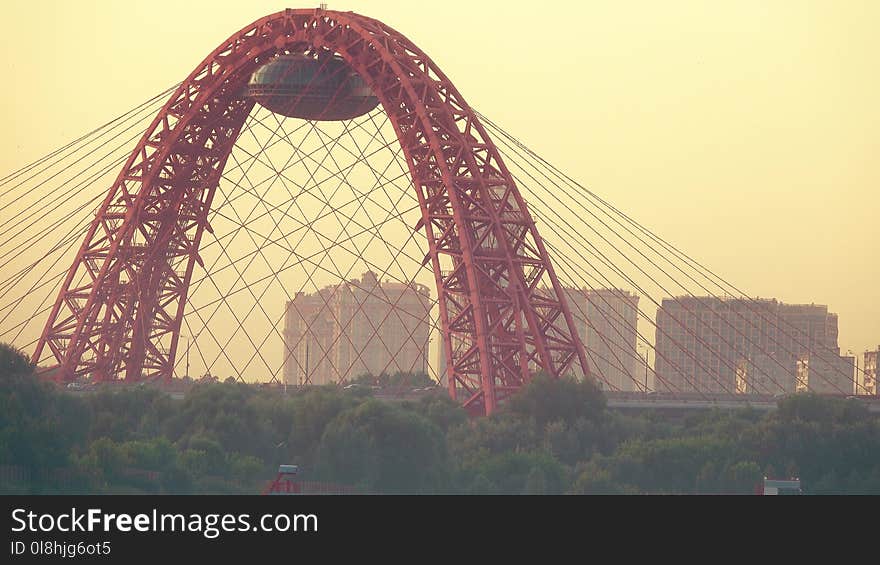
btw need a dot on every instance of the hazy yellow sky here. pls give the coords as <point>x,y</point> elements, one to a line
<point>745,132</point>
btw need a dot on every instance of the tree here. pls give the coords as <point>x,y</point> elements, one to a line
<point>547,399</point>
<point>536,482</point>
<point>312,412</point>
<point>13,363</point>
<point>811,407</point>
<point>515,473</point>
<point>441,411</point>
<point>741,478</point>
<point>37,425</point>
<point>593,478</point>
<point>384,448</point>
<point>502,433</point>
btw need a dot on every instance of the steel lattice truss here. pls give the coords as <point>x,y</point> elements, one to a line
<point>500,302</point>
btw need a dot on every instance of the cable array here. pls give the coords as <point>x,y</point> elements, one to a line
<point>316,222</point>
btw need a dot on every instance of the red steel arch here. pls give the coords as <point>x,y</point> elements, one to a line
<point>502,309</point>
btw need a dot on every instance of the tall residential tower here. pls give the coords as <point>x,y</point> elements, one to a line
<point>748,346</point>
<point>355,328</point>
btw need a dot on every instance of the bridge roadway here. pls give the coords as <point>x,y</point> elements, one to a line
<point>660,401</point>
<point>673,404</point>
<point>617,400</point>
<point>654,401</point>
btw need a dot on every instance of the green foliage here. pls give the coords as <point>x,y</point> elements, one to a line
<point>36,425</point>
<point>441,411</point>
<point>135,414</point>
<point>555,436</point>
<point>546,399</point>
<point>593,478</point>
<point>515,473</point>
<point>480,438</point>
<point>312,412</point>
<point>399,379</point>
<point>13,363</point>
<point>381,447</point>
<point>741,477</point>
<point>814,408</point>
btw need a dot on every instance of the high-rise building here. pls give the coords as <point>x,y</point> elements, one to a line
<point>870,375</point>
<point>358,327</point>
<point>708,344</point>
<point>606,321</point>
<point>763,374</point>
<point>827,374</point>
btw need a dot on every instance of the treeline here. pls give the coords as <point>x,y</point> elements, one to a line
<point>554,437</point>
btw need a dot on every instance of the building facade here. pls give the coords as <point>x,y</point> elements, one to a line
<point>826,374</point>
<point>870,374</point>
<point>606,321</point>
<point>761,373</point>
<point>360,327</point>
<point>715,345</point>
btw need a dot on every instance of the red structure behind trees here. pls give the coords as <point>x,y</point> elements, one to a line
<point>502,310</point>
